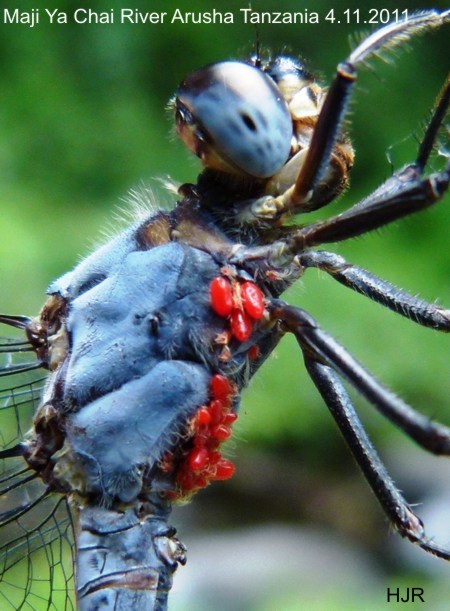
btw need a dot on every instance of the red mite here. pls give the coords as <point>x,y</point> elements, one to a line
<point>221,387</point>
<point>252,300</point>
<point>241,325</point>
<point>221,296</point>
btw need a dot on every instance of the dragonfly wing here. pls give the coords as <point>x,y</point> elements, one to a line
<point>36,538</point>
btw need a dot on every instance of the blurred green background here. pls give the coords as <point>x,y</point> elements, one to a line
<point>83,120</point>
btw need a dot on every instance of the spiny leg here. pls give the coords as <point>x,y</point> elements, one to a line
<point>405,192</point>
<point>393,503</point>
<point>381,291</point>
<point>437,118</point>
<point>318,345</point>
<point>335,105</point>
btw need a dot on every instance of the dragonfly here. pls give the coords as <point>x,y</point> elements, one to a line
<point>118,398</point>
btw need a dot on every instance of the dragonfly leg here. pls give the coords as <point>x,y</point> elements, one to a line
<point>320,346</point>
<point>381,291</point>
<point>405,192</point>
<point>393,503</point>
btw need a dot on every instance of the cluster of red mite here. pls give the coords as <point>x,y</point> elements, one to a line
<point>241,303</point>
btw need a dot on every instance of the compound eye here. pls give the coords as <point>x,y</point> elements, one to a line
<point>235,119</point>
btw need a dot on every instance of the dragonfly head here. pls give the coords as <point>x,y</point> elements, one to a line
<point>235,119</point>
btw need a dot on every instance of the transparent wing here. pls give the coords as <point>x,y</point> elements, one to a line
<point>36,539</point>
